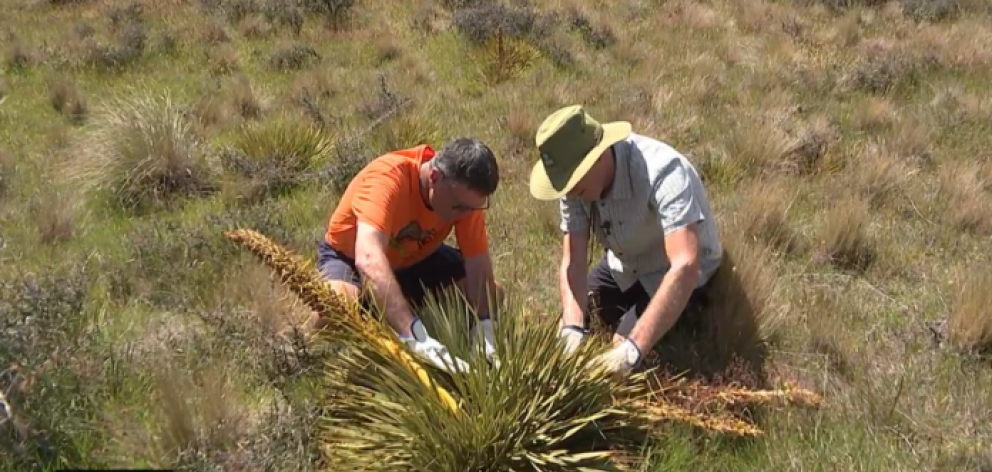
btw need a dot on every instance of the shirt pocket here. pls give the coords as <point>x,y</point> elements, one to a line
<point>636,232</point>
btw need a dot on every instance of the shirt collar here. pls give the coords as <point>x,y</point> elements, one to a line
<point>621,176</point>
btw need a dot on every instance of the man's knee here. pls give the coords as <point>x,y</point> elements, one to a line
<point>346,289</point>
<point>340,273</point>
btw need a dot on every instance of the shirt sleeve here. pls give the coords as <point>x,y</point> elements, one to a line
<point>574,218</point>
<point>471,234</point>
<point>376,197</point>
<point>674,199</point>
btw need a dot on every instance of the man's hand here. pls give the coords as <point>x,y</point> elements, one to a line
<point>623,358</point>
<point>483,333</point>
<point>572,336</point>
<point>421,343</point>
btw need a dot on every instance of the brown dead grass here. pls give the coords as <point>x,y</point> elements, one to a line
<point>744,315</point>
<point>248,101</point>
<point>969,326</point>
<point>829,334</point>
<point>878,175</point>
<point>763,214</point>
<point>67,98</point>
<point>875,114</point>
<point>842,237</point>
<point>224,59</point>
<point>967,204</point>
<point>55,215</point>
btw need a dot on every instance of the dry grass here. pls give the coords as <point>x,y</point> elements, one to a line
<point>842,143</point>
<point>970,324</point>
<point>842,235</point>
<point>967,201</point>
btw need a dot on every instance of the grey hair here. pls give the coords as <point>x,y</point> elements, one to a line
<point>470,162</point>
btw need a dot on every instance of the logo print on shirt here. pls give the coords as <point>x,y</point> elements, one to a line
<point>412,232</point>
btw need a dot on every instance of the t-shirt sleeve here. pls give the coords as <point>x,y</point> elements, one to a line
<point>673,198</point>
<point>375,199</point>
<point>574,218</point>
<point>471,234</point>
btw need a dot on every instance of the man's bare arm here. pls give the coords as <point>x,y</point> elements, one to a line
<point>669,301</point>
<point>480,284</point>
<point>370,259</point>
<point>572,278</point>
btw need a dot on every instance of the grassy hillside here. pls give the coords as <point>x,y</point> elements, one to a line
<point>845,145</point>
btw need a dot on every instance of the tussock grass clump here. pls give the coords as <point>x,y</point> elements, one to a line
<point>125,46</point>
<point>293,57</point>
<point>967,205</point>
<point>19,57</point>
<point>279,155</point>
<point>765,215</point>
<point>969,326</point>
<point>842,236</point>
<point>143,150</point>
<point>67,99</point>
<point>55,215</point>
<point>223,60</point>
<point>878,175</point>
<point>884,68</point>
<point>539,410</point>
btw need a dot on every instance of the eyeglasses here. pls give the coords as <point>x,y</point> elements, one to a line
<point>464,207</point>
<point>459,206</point>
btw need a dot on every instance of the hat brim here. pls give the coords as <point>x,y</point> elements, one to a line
<point>541,187</point>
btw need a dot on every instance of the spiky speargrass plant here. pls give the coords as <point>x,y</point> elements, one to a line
<point>540,410</point>
<point>279,155</point>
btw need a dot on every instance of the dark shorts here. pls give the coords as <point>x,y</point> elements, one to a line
<point>610,303</point>
<point>440,270</point>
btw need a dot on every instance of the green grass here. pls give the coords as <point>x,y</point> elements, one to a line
<point>117,323</point>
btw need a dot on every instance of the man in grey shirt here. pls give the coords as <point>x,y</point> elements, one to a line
<point>646,204</point>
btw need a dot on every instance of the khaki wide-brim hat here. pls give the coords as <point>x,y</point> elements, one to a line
<point>569,142</point>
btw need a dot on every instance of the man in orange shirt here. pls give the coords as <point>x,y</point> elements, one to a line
<point>388,232</point>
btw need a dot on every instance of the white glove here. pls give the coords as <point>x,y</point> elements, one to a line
<point>622,359</point>
<point>487,339</point>
<point>429,348</point>
<point>573,336</point>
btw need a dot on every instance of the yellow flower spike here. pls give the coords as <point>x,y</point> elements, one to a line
<point>301,277</point>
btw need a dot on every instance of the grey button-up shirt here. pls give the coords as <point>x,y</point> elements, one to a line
<point>655,191</point>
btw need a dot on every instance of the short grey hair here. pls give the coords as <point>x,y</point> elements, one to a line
<point>470,162</point>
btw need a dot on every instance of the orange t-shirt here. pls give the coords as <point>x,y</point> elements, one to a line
<point>386,195</point>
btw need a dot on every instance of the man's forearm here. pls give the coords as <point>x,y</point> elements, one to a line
<point>480,291</point>
<point>388,293</point>
<point>572,284</point>
<point>664,308</point>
